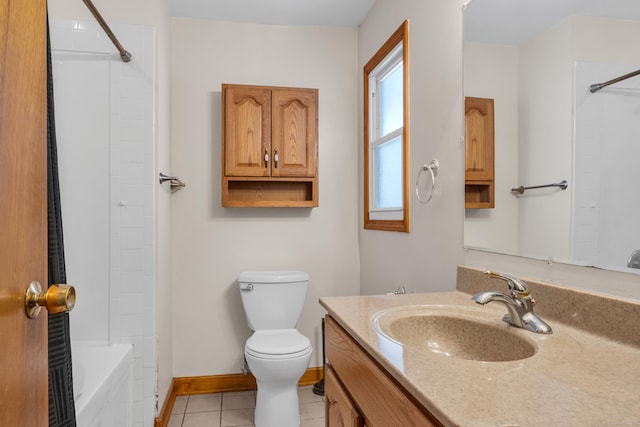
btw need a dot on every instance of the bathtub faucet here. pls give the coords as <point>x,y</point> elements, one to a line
<point>519,304</point>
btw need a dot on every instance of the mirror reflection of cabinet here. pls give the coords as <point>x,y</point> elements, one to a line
<point>269,146</point>
<point>479,153</point>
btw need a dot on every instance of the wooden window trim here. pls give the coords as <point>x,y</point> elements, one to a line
<point>401,35</point>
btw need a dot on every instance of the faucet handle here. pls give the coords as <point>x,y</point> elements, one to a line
<point>516,286</point>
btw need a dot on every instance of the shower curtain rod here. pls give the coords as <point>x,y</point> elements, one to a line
<point>597,86</point>
<point>126,56</point>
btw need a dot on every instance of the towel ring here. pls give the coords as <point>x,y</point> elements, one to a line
<point>433,170</point>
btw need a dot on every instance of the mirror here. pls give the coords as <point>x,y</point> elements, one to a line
<point>537,59</point>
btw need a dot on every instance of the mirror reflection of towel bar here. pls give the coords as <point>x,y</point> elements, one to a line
<point>174,181</point>
<point>562,185</point>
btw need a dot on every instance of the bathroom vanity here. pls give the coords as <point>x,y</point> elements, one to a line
<point>357,388</point>
<point>385,369</point>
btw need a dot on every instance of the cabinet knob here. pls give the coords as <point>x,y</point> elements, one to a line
<point>266,158</point>
<point>275,158</point>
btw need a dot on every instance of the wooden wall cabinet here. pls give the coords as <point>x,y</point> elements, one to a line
<point>479,173</point>
<point>358,389</point>
<point>269,146</point>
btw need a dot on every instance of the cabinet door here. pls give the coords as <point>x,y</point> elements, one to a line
<point>294,141</point>
<point>479,139</point>
<point>340,411</point>
<point>247,130</point>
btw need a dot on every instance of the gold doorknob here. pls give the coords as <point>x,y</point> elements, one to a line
<point>57,299</point>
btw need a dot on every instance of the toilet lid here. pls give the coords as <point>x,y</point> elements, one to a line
<point>277,342</point>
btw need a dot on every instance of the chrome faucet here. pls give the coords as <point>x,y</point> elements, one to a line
<point>519,304</point>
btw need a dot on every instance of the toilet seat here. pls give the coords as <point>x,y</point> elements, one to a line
<point>278,344</point>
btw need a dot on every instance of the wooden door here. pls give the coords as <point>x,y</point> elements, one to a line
<point>479,139</point>
<point>23,209</point>
<point>246,130</point>
<point>294,141</point>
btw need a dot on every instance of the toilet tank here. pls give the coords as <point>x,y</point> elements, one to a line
<point>273,299</point>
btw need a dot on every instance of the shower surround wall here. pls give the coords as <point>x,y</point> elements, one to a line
<point>607,126</point>
<point>104,115</point>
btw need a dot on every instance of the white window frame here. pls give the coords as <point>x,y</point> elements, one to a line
<point>389,64</point>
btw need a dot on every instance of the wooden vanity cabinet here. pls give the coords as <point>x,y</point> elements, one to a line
<point>479,170</point>
<point>269,146</point>
<point>357,386</point>
<point>339,409</point>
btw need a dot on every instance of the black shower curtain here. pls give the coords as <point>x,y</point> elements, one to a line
<point>61,405</point>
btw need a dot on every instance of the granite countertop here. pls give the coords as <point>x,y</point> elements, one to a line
<point>576,378</point>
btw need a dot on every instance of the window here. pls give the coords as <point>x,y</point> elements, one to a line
<point>386,135</point>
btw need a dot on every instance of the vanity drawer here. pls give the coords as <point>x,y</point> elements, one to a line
<point>381,400</point>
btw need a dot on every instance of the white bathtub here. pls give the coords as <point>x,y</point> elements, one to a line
<point>102,384</point>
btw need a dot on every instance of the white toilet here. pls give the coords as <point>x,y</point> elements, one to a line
<point>277,354</point>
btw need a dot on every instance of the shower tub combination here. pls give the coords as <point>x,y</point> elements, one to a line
<point>102,384</point>
<point>104,126</point>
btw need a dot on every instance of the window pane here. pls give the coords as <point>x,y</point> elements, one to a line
<point>389,168</point>
<point>391,105</point>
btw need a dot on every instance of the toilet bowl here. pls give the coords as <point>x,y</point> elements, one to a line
<point>277,354</point>
<point>277,375</point>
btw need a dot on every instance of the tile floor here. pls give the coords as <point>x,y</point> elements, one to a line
<point>236,409</point>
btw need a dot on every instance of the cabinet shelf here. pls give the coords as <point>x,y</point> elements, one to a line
<point>479,195</point>
<point>254,192</point>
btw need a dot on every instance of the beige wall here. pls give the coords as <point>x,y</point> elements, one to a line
<point>605,40</point>
<point>491,71</point>
<point>546,140</point>
<point>211,244</point>
<point>424,259</point>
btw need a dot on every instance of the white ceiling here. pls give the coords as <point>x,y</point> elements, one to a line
<point>489,21</point>
<point>333,13</point>
<point>516,21</point>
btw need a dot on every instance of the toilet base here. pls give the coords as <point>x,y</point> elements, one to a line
<point>277,406</point>
<point>277,378</point>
